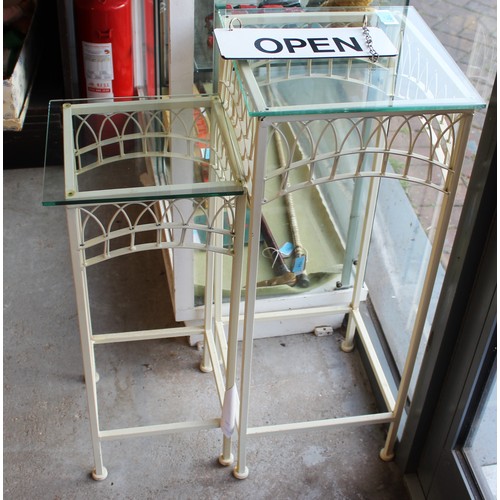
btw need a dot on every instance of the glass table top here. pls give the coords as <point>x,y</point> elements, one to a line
<point>137,149</point>
<point>421,77</point>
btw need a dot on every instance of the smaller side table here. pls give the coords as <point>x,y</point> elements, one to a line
<point>119,159</point>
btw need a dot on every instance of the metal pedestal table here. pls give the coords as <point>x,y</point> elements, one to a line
<point>119,161</point>
<point>312,123</point>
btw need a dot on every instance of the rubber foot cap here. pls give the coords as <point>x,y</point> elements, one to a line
<point>206,368</point>
<point>386,457</point>
<point>240,475</point>
<point>346,347</point>
<point>100,477</point>
<point>226,462</point>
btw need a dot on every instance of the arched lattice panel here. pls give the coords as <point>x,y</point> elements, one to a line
<point>111,230</point>
<point>414,149</point>
<point>107,140</point>
<point>104,138</point>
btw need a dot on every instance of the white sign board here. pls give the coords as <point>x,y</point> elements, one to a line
<point>300,43</point>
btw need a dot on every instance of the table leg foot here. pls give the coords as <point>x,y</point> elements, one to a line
<point>347,346</point>
<point>226,461</point>
<point>100,477</point>
<point>206,368</point>
<point>386,457</point>
<point>240,475</point>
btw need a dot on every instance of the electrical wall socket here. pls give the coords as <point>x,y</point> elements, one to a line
<point>322,331</point>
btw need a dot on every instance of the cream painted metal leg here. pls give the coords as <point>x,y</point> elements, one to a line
<point>206,364</point>
<point>379,163</point>
<point>82,299</point>
<point>451,183</point>
<point>347,344</point>
<point>227,457</point>
<point>241,469</point>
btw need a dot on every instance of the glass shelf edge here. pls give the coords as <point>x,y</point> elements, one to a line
<point>455,108</point>
<point>180,192</point>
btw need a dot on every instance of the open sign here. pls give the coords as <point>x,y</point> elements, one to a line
<point>300,43</point>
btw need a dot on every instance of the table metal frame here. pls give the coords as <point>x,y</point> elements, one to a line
<point>444,133</point>
<point>239,142</point>
<point>167,214</point>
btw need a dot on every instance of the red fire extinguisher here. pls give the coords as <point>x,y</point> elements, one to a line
<point>104,44</point>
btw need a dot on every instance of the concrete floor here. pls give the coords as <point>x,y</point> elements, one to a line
<point>47,452</point>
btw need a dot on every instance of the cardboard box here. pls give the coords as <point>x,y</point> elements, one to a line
<point>17,85</point>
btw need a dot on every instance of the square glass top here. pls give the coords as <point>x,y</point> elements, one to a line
<point>138,149</point>
<point>421,77</point>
